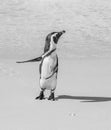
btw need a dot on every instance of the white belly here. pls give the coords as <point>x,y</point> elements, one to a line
<point>50,83</point>
<point>47,66</point>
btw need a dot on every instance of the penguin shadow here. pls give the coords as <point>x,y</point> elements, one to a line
<point>84,98</point>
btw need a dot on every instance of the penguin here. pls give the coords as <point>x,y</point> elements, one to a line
<point>48,67</point>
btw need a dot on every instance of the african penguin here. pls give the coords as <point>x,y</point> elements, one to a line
<point>48,67</point>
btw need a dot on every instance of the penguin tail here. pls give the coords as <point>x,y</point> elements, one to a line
<point>32,60</point>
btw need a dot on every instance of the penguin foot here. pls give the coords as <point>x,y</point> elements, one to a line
<point>41,96</point>
<point>51,97</point>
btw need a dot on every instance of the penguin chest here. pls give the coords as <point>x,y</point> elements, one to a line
<point>47,66</point>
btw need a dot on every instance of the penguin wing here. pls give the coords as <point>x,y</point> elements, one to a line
<point>38,58</point>
<point>56,66</point>
<point>32,60</point>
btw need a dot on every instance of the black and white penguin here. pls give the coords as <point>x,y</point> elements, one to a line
<point>48,67</point>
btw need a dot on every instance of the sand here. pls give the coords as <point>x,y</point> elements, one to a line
<point>82,97</point>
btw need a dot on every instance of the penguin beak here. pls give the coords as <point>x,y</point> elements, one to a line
<point>60,33</point>
<point>63,31</point>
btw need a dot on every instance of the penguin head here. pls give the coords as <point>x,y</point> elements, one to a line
<point>52,40</point>
<point>56,36</point>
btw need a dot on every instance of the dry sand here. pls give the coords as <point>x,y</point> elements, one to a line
<point>83,97</point>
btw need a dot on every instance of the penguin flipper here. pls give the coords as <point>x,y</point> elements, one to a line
<point>32,60</point>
